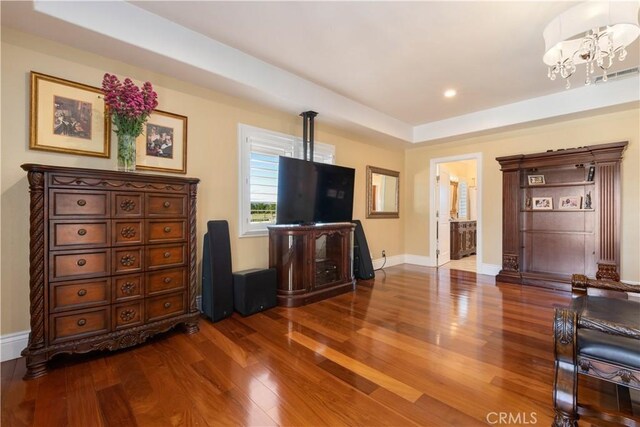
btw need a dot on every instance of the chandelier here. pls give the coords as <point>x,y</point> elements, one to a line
<point>591,33</point>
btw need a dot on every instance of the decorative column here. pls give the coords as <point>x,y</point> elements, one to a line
<point>608,202</point>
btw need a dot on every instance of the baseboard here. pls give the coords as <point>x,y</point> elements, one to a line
<point>11,345</point>
<point>631,282</point>
<point>391,261</point>
<point>424,261</point>
<point>489,269</point>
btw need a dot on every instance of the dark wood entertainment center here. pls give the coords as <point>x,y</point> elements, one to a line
<point>313,262</point>
<point>561,215</point>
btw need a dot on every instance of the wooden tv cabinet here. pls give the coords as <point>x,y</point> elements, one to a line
<point>313,262</point>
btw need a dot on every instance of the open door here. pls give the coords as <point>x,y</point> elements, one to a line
<point>443,245</point>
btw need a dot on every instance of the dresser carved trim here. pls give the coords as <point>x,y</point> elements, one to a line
<point>112,260</point>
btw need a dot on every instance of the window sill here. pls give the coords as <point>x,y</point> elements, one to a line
<point>254,233</point>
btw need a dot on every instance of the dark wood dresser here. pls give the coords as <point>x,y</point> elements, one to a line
<point>112,260</point>
<point>463,239</point>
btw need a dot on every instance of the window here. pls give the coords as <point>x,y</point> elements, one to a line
<point>462,200</point>
<point>259,151</point>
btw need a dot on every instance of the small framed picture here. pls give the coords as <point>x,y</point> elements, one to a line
<point>68,117</point>
<point>162,146</point>
<point>570,202</point>
<point>542,203</point>
<point>536,179</point>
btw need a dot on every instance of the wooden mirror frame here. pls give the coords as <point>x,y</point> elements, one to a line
<point>387,214</point>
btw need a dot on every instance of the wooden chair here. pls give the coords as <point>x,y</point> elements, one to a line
<point>599,336</point>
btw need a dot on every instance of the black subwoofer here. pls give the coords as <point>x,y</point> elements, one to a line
<point>254,290</point>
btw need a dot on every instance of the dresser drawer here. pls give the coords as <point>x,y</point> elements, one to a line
<point>166,255</point>
<point>127,232</point>
<point>128,314</point>
<point>163,306</point>
<point>127,260</point>
<point>159,231</point>
<point>66,203</point>
<point>78,264</point>
<point>75,235</point>
<point>127,287</point>
<point>166,205</point>
<point>78,324</point>
<point>127,205</point>
<point>162,281</point>
<point>64,296</point>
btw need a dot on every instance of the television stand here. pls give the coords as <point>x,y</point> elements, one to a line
<point>313,262</point>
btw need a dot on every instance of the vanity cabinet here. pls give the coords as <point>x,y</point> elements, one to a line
<point>463,239</point>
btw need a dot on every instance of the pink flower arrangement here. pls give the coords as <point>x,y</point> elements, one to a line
<point>129,105</point>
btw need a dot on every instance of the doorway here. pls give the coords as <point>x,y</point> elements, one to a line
<point>455,232</point>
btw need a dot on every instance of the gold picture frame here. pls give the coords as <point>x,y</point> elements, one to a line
<point>68,117</point>
<point>162,146</point>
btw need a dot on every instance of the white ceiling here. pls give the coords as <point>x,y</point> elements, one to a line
<point>381,66</point>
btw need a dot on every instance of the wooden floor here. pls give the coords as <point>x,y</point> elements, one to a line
<point>415,347</point>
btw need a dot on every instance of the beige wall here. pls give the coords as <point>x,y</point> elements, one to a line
<point>598,129</point>
<point>212,157</point>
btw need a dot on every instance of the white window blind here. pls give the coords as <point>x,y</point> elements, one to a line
<point>259,152</point>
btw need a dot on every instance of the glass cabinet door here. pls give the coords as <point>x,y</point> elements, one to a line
<point>330,254</point>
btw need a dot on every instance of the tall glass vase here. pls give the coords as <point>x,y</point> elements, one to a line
<point>126,152</point>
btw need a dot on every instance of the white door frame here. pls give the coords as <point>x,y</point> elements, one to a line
<point>433,207</point>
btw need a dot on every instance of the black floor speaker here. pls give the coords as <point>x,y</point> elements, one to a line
<point>217,279</point>
<point>254,290</point>
<point>362,265</point>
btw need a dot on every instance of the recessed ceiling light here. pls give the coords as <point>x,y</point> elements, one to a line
<point>450,93</point>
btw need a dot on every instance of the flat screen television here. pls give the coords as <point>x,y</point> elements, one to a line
<point>310,192</point>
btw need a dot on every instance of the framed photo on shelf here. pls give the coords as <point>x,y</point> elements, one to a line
<point>570,202</point>
<point>542,203</point>
<point>536,179</point>
<point>68,117</point>
<point>162,146</point>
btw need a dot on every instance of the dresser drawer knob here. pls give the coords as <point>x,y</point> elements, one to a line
<point>82,322</point>
<point>166,204</point>
<point>128,288</point>
<point>167,304</point>
<point>81,262</point>
<point>127,260</point>
<point>82,292</point>
<point>82,232</point>
<point>167,229</point>
<point>82,202</point>
<point>167,280</point>
<point>167,254</point>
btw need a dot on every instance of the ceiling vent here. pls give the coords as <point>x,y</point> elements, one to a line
<point>619,75</point>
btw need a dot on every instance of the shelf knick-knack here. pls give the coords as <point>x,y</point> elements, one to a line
<point>587,200</point>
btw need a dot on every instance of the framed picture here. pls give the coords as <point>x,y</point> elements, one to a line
<point>542,203</point>
<point>68,117</point>
<point>570,202</point>
<point>162,146</point>
<point>536,179</point>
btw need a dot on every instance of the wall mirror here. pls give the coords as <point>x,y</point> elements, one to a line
<point>383,193</point>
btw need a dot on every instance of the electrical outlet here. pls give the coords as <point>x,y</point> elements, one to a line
<point>384,253</point>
